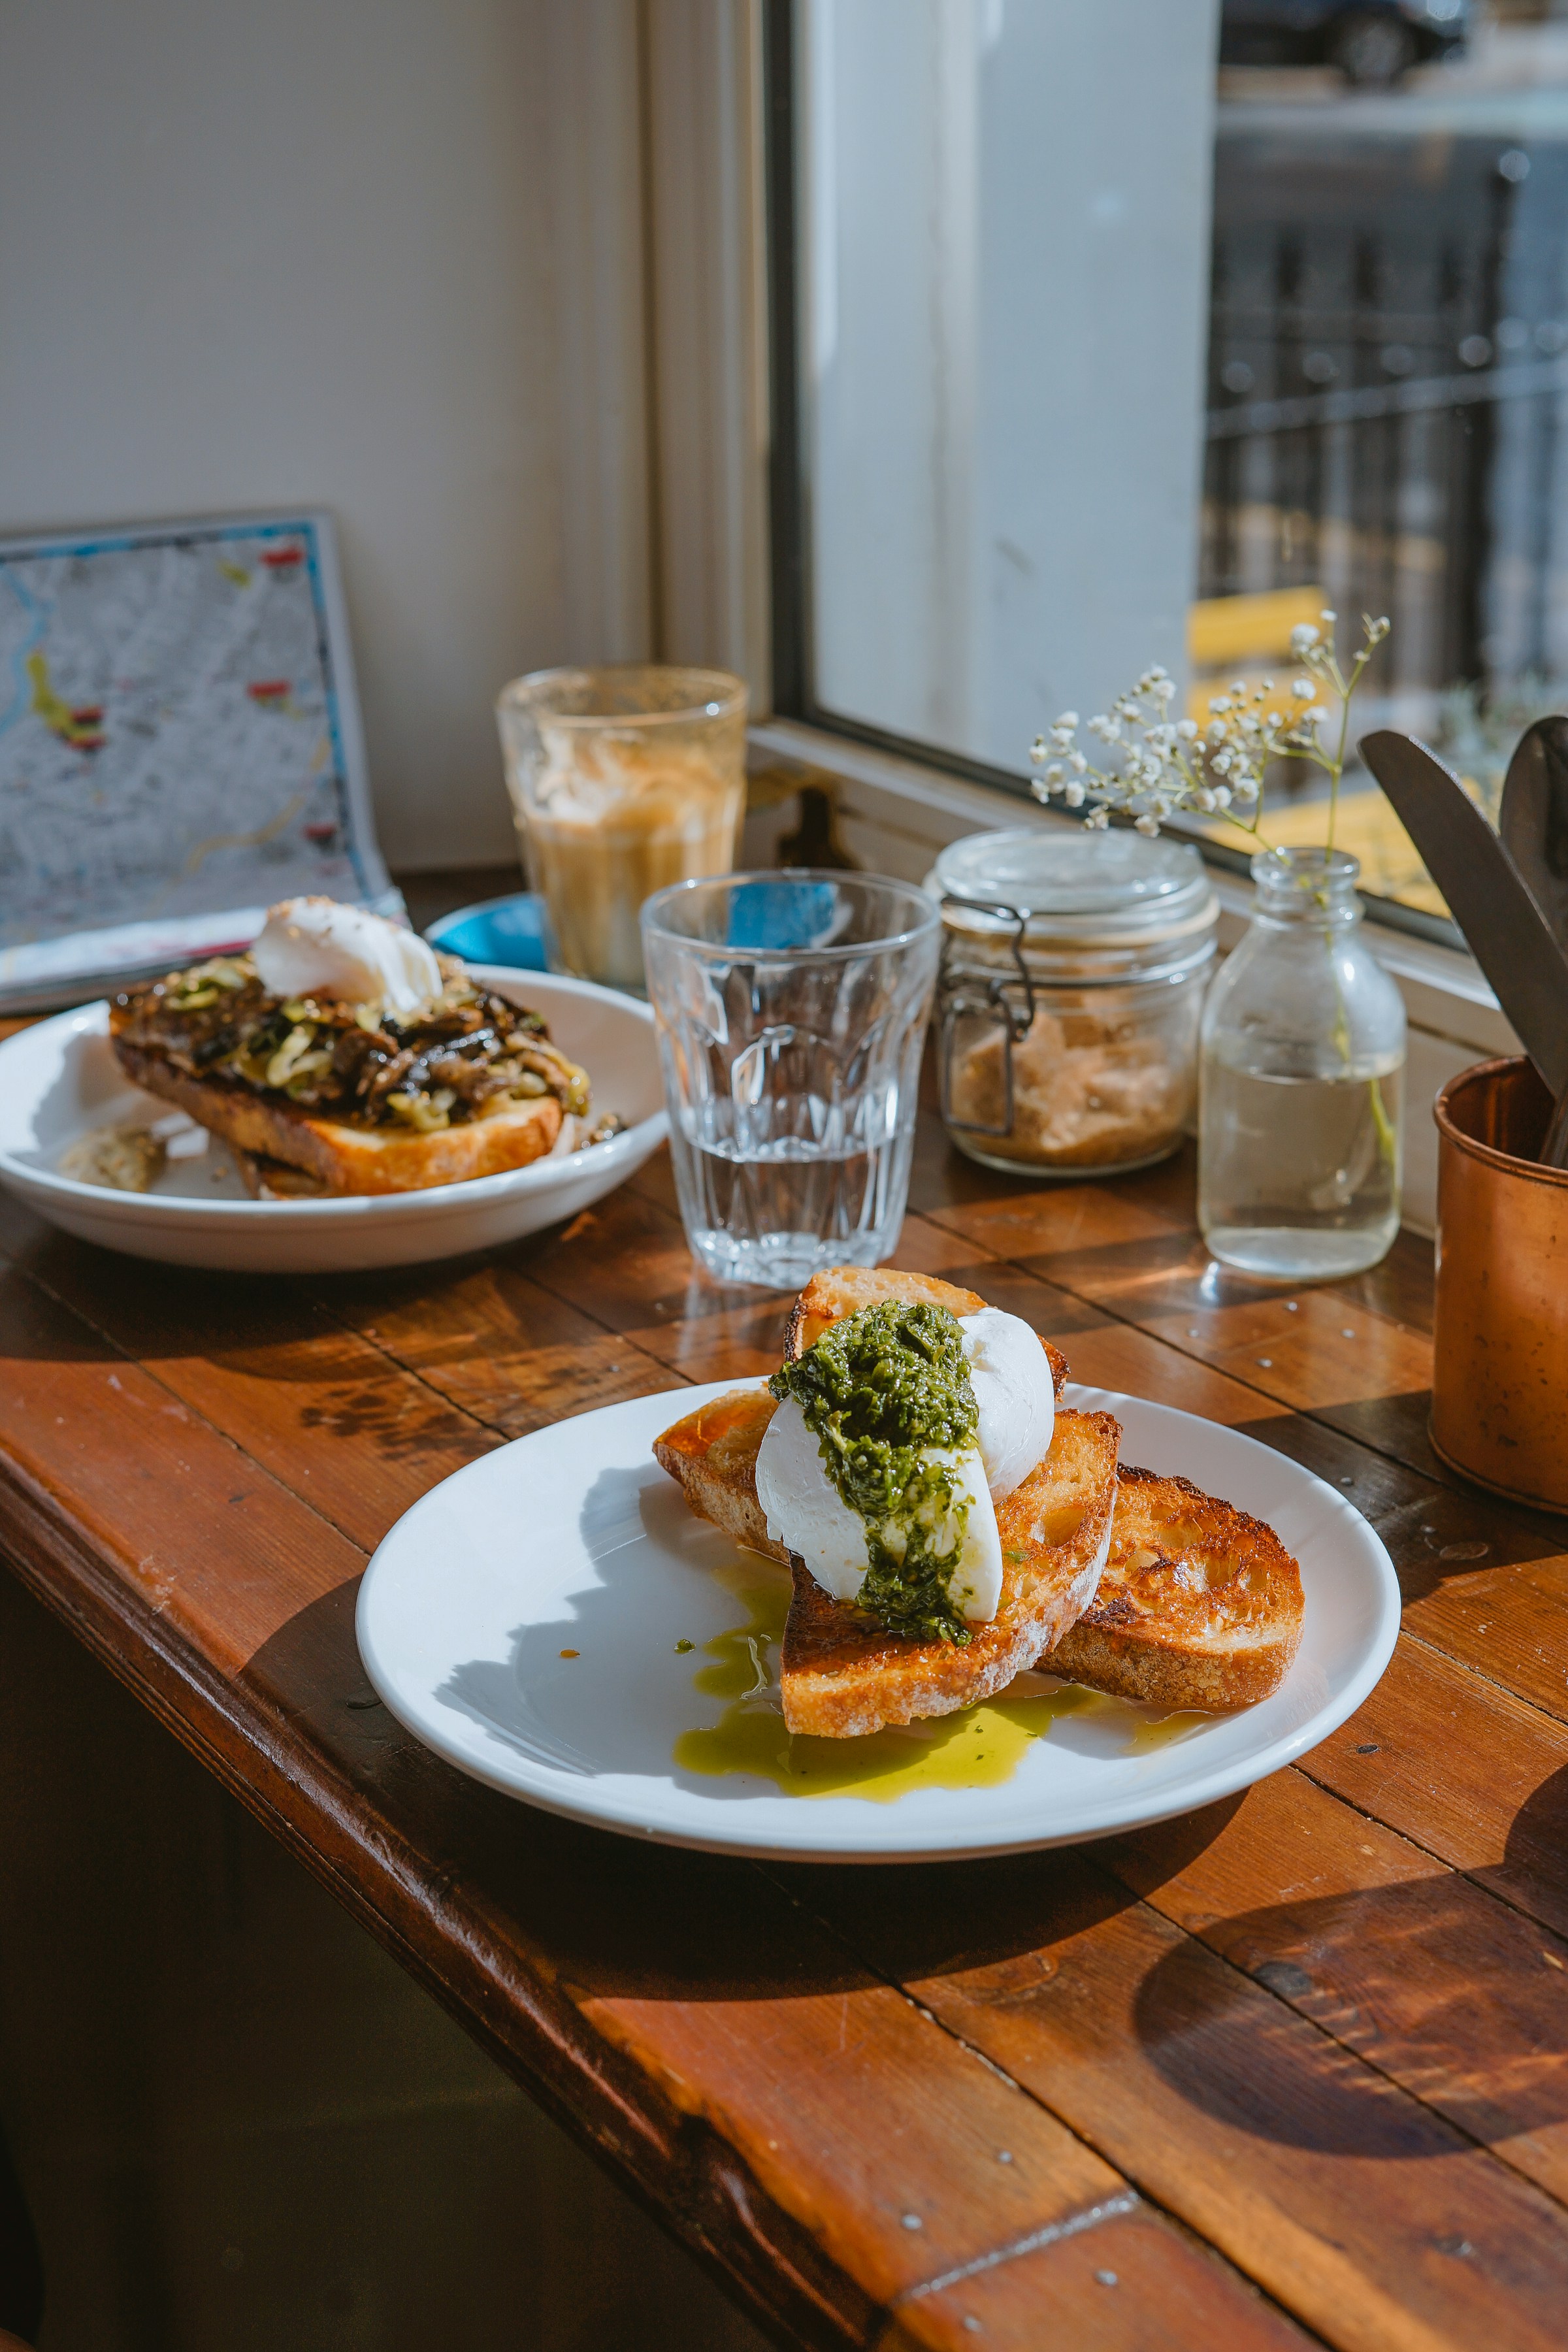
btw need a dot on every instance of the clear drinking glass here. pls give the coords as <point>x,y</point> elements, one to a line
<point>791,1009</point>
<point>623,778</point>
<point>1301,1079</point>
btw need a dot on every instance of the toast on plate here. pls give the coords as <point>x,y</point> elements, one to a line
<point>713,1457</point>
<point>843,1290</point>
<point>361,1093</point>
<point>1198,1604</point>
<point>712,1454</point>
<point>842,1673</point>
<point>342,1159</point>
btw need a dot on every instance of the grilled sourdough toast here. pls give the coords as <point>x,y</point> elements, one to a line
<point>712,1454</point>
<point>842,1673</point>
<point>355,1097</point>
<point>843,1290</point>
<point>713,1457</point>
<point>344,1158</point>
<point>1198,1605</point>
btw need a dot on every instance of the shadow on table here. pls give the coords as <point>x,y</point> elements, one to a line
<point>1431,1980</point>
<point>1454,1995</point>
<point>595,1684</point>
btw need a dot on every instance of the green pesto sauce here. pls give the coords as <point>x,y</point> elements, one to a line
<point>877,1389</point>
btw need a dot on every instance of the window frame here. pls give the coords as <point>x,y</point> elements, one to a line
<point>720,534</point>
<point>789,507</point>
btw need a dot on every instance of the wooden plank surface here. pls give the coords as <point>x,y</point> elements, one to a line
<point>1290,2070</point>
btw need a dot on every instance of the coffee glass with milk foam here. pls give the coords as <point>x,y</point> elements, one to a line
<point>624,779</point>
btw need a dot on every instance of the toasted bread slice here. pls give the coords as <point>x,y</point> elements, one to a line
<point>344,1158</point>
<point>712,1456</point>
<point>274,1180</point>
<point>1199,1606</point>
<point>844,1674</point>
<point>841,1291</point>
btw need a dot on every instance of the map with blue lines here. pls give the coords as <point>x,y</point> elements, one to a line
<point>170,739</point>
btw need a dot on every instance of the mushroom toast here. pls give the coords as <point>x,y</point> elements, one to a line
<point>341,1055</point>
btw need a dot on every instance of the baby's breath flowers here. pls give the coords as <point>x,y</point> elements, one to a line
<point>1154,765</point>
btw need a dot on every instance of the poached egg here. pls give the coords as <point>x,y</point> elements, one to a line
<point>1011,1376</point>
<point>315,947</point>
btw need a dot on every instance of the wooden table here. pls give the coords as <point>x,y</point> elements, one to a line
<point>1289,2069</point>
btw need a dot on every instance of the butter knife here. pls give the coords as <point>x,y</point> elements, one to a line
<point>1507,933</point>
<point>1534,818</point>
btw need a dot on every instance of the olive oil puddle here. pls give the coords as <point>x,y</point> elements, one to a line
<point>977,1747</point>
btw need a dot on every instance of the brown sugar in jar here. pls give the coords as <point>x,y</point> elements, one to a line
<point>1073,974</point>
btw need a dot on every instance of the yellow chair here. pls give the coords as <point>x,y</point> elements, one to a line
<point>1245,638</point>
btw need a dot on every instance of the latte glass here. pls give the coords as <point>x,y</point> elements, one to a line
<point>623,778</point>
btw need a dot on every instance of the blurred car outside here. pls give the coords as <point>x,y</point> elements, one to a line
<point>1372,42</point>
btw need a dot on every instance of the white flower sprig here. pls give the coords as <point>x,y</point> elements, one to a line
<point>1158,765</point>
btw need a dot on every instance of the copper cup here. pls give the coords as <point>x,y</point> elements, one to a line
<point>1499,1390</point>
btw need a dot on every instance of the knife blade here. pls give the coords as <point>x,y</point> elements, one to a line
<point>1506,932</point>
<point>1533,818</point>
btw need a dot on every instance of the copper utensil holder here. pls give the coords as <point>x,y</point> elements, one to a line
<point>1500,1388</point>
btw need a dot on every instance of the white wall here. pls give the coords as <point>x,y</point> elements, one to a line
<point>275,252</point>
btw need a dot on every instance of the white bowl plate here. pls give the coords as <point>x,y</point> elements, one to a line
<point>541,1619</point>
<point>59,1080</point>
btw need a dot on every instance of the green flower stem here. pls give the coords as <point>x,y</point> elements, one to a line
<point>1387,1141</point>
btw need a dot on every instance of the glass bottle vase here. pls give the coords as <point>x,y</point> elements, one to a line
<point>1302,1082</point>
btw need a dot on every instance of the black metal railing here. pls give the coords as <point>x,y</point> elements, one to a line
<point>1387,376</point>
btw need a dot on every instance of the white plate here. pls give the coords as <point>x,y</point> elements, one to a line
<point>59,1080</point>
<point>573,1539</point>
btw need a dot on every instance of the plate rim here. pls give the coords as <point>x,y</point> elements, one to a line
<point>430,1203</point>
<point>1220,1782</point>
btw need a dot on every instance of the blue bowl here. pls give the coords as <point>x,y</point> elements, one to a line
<point>498,930</point>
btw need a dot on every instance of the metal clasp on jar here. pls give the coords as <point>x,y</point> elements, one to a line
<point>1005,1000</point>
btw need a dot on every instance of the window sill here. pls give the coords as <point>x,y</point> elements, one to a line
<point>892,815</point>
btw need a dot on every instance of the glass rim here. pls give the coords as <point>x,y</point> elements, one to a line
<point>930,919</point>
<point>730,693</point>
<point>1294,859</point>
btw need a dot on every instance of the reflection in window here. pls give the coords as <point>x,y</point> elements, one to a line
<point>1387,371</point>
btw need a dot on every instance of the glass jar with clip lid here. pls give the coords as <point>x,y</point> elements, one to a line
<point>1072,979</point>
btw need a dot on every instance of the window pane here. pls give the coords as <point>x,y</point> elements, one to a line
<point>1005,220</point>
<point>1386,380</point>
<point>1101,365</point>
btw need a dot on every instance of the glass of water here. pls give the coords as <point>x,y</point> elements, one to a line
<point>791,1008</point>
